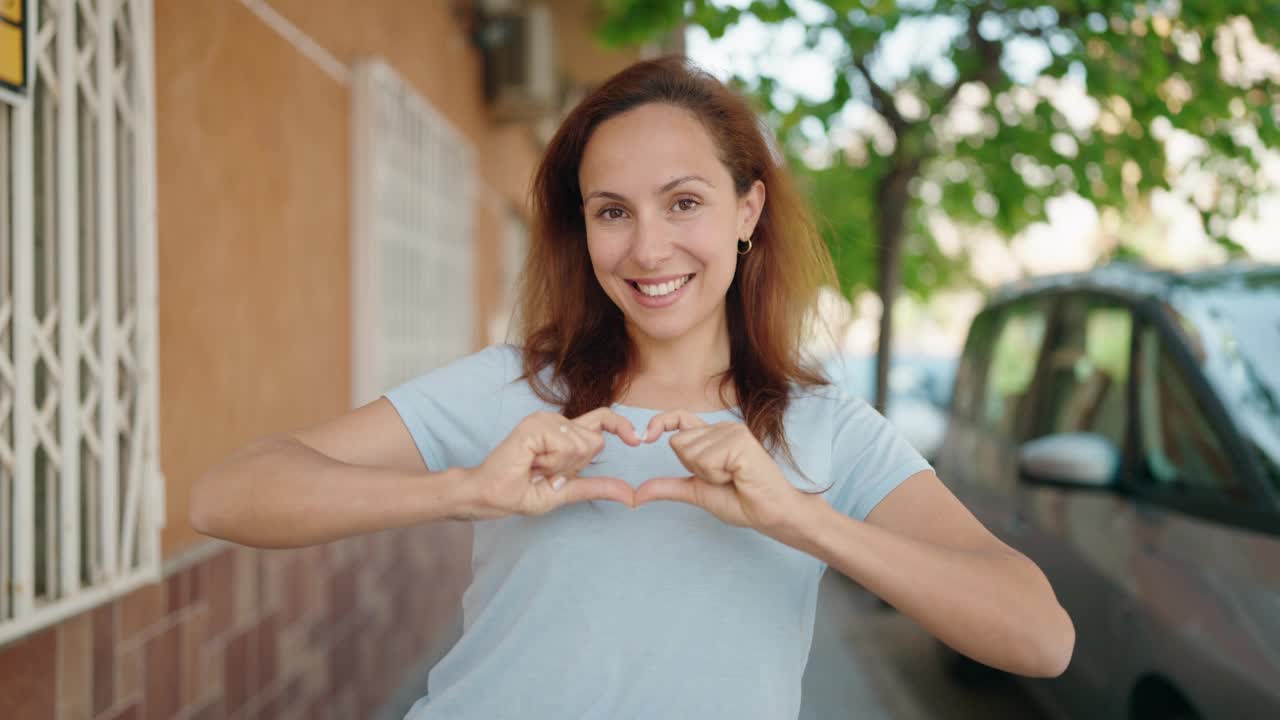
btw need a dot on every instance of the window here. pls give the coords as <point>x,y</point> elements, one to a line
<point>412,269</point>
<point>1180,446</point>
<point>515,247</point>
<point>1086,371</point>
<point>81,496</point>
<point>1018,339</point>
<point>971,367</point>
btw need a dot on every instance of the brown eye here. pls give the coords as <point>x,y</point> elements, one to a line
<point>686,204</point>
<point>611,213</point>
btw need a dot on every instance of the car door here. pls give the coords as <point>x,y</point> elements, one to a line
<point>1205,614</point>
<point>1080,536</point>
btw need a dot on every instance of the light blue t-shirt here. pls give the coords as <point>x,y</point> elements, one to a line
<point>596,610</point>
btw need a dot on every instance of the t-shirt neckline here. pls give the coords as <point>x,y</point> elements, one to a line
<point>725,411</point>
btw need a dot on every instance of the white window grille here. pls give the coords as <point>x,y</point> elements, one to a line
<point>515,247</point>
<point>81,495</point>
<point>412,216</point>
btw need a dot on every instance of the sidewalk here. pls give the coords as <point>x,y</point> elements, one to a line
<point>898,661</point>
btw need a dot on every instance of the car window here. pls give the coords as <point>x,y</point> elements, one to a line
<point>1236,320</point>
<point>972,366</point>
<point>1086,371</point>
<point>1019,333</point>
<point>1181,448</point>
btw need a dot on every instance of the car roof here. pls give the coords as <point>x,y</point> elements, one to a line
<point>1135,280</point>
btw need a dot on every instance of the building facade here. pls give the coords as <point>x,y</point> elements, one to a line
<point>221,219</point>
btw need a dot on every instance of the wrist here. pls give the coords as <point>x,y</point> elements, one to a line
<point>804,524</point>
<point>451,495</point>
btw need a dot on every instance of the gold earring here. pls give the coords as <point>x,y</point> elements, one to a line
<point>744,246</point>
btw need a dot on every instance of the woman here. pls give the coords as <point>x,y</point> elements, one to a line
<point>661,481</point>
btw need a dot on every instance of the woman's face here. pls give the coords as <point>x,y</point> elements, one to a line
<point>663,219</point>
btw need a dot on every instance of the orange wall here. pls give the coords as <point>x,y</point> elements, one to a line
<point>252,167</point>
<point>427,44</point>
<point>253,192</point>
<point>253,146</point>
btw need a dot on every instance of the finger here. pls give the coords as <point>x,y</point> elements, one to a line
<point>583,441</point>
<point>671,420</point>
<point>581,489</point>
<point>556,452</point>
<point>547,471</point>
<point>606,419</point>
<point>678,489</point>
<point>685,439</point>
<point>706,454</point>
<point>588,443</point>
<point>567,455</point>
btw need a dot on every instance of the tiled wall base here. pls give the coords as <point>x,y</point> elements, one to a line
<point>323,632</point>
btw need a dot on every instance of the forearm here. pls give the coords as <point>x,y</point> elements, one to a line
<point>278,492</point>
<point>996,607</point>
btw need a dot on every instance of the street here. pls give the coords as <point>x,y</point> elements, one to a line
<point>872,663</point>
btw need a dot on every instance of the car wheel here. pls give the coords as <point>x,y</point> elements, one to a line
<point>1176,712</point>
<point>966,671</point>
<point>1156,699</point>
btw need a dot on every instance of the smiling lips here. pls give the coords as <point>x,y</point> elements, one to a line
<point>660,294</point>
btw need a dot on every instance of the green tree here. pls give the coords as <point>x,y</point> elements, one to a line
<point>972,130</point>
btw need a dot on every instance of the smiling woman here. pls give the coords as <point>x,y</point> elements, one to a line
<point>658,368</point>
<point>662,176</point>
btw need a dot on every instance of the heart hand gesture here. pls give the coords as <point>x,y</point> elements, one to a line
<point>535,469</point>
<point>732,476</point>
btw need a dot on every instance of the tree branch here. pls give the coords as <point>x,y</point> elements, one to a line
<point>986,71</point>
<point>881,100</point>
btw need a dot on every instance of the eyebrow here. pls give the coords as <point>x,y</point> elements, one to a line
<point>665,188</point>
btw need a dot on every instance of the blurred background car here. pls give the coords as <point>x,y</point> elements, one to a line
<point>919,392</point>
<point>1121,427</point>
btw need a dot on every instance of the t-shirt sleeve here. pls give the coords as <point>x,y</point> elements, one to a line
<point>869,457</point>
<point>453,410</point>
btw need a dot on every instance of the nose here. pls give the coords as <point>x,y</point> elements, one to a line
<point>651,247</point>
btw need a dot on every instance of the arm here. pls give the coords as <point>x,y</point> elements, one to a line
<point>355,474</point>
<point>919,549</point>
<point>924,553</point>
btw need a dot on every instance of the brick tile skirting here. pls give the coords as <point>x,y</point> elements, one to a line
<point>322,632</point>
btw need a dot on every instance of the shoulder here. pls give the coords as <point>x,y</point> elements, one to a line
<point>829,402</point>
<point>484,370</point>
<point>831,414</point>
<point>498,353</point>
<point>498,362</point>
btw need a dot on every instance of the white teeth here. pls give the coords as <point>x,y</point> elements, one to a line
<point>663,288</point>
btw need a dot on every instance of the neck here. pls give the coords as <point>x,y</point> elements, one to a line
<point>686,363</point>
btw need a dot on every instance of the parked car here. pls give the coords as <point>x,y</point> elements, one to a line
<point>919,392</point>
<point>1122,428</point>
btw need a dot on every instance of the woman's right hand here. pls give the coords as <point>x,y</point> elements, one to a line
<point>535,469</point>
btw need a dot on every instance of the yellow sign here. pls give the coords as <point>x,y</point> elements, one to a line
<point>14,31</point>
<point>11,10</point>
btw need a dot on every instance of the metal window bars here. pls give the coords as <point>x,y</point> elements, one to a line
<point>412,217</point>
<point>81,494</point>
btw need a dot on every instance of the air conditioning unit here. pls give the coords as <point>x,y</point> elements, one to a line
<point>519,60</point>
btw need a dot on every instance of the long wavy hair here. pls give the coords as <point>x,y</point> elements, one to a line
<point>565,320</point>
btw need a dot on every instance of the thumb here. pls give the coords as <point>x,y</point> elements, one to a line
<point>581,489</point>
<point>680,489</point>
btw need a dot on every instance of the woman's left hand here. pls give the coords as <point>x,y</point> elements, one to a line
<point>733,476</point>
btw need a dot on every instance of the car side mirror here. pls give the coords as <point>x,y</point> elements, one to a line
<point>1077,459</point>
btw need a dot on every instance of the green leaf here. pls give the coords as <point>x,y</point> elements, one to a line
<point>1128,56</point>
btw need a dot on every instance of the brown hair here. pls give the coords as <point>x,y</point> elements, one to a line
<point>571,325</point>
